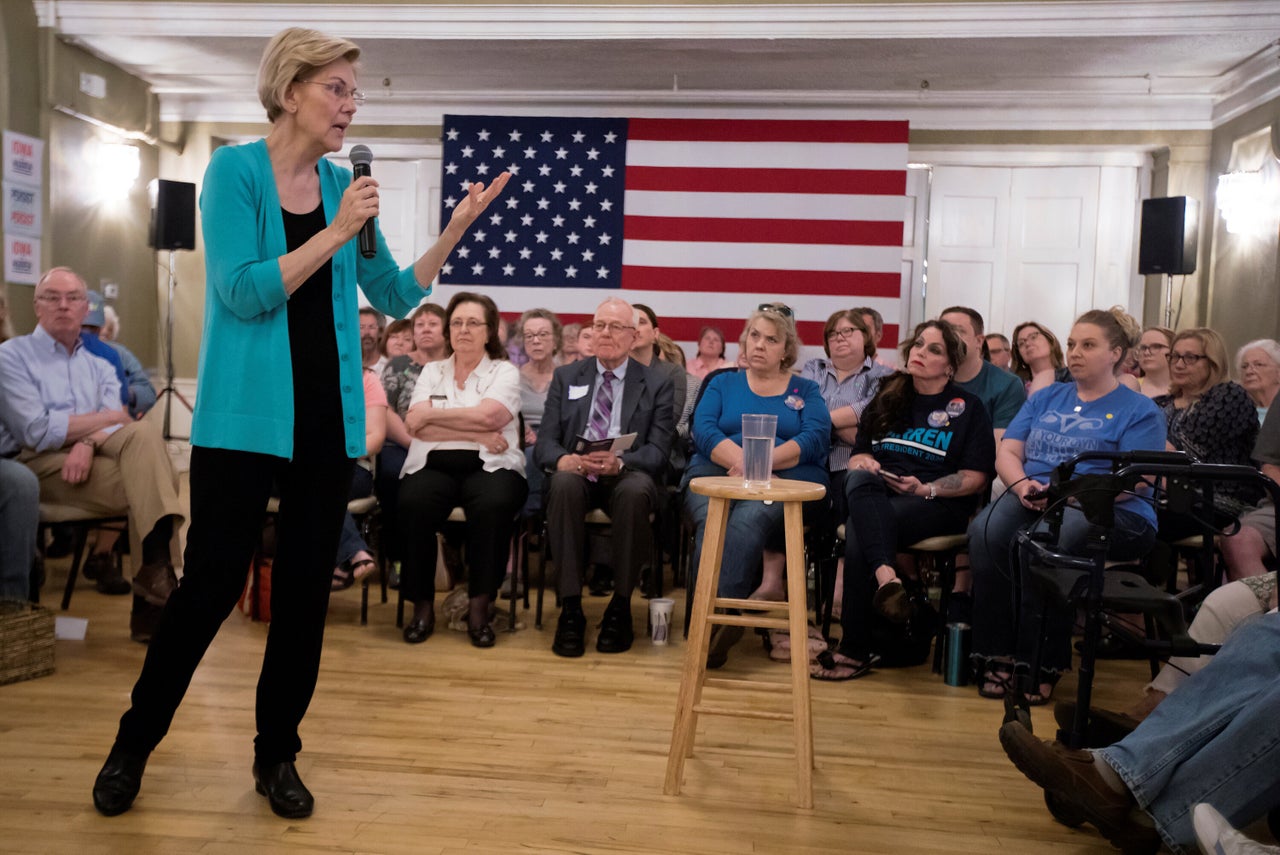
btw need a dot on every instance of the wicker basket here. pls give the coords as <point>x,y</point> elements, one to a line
<point>26,641</point>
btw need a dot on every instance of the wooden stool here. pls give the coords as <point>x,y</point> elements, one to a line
<point>689,705</point>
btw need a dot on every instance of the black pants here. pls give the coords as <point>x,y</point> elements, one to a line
<point>880,523</point>
<point>229,491</point>
<point>451,479</point>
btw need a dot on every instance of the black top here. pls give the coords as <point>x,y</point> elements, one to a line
<point>945,433</point>
<point>313,350</point>
<point>1219,427</point>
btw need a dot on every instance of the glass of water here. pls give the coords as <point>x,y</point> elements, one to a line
<point>758,431</point>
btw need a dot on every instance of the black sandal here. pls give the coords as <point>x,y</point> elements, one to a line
<point>993,673</point>
<point>827,663</point>
<point>343,577</point>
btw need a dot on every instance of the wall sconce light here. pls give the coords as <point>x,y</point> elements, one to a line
<point>116,168</point>
<point>1250,201</point>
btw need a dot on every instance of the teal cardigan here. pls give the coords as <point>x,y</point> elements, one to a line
<point>244,398</point>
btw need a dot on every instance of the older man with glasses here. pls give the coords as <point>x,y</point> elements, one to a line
<point>60,414</point>
<point>596,399</point>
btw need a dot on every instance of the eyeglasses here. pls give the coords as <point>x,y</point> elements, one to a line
<point>1189,358</point>
<point>537,336</point>
<point>339,91</point>
<point>1148,349</point>
<point>466,323</point>
<point>55,299</point>
<point>1256,366</point>
<point>1030,337</point>
<point>842,335</point>
<point>785,311</point>
<point>613,327</point>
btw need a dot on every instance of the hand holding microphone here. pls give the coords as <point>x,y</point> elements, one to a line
<point>361,167</point>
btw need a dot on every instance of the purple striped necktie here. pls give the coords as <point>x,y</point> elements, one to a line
<point>601,409</point>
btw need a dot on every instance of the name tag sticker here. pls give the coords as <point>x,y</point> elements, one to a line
<point>576,392</point>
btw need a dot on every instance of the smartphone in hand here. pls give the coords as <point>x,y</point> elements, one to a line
<point>1037,493</point>
<point>890,476</point>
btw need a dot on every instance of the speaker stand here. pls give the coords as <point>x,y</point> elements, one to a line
<point>169,392</point>
<point>1168,301</point>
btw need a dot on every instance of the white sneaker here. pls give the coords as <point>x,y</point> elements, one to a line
<point>1218,837</point>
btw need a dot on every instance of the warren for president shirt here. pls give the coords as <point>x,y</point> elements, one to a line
<point>944,433</point>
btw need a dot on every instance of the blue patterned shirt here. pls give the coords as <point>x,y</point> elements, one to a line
<point>854,391</point>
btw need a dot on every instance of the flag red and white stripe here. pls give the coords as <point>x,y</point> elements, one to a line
<point>723,214</point>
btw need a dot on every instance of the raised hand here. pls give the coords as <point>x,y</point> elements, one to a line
<point>477,199</point>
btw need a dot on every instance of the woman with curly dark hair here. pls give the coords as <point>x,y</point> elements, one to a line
<point>923,455</point>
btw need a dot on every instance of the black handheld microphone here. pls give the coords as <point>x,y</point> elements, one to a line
<point>361,160</point>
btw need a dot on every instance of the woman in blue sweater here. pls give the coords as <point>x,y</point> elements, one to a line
<point>280,399</point>
<point>770,345</point>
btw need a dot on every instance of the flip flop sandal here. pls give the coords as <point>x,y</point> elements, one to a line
<point>827,666</point>
<point>361,569</point>
<point>342,578</point>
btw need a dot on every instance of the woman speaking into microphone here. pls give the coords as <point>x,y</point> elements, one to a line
<point>280,399</point>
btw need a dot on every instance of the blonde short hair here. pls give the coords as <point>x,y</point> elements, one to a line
<point>785,323</point>
<point>293,54</point>
<point>1214,348</point>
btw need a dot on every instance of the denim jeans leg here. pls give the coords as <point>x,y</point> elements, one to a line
<point>1216,739</point>
<point>748,529</point>
<point>19,518</point>
<point>1131,537</point>
<point>990,536</point>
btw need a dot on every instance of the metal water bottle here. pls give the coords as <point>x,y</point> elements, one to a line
<point>956,667</point>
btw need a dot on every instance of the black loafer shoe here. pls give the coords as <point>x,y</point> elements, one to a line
<point>571,634</point>
<point>616,630</point>
<point>482,637</point>
<point>118,782</point>
<point>418,631</point>
<point>284,790</point>
<point>102,568</point>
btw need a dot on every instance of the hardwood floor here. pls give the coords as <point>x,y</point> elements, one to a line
<point>443,748</point>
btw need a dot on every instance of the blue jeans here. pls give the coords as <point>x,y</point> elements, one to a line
<point>752,526</point>
<point>19,517</point>
<point>351,541</point>
<point>1216,740</point>
<point>1009,625</point>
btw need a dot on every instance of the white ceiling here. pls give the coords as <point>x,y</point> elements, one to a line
<point>1104,64</point>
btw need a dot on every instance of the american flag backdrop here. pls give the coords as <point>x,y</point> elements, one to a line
<point>701,219</point>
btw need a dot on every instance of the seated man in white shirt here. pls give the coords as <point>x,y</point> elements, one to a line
<point>60,414</point>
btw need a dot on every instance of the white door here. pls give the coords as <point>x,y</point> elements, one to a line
<point>968,239</point>
<point>1053,227</point>
<point>1032,243</point>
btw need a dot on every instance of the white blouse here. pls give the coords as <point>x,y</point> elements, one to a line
<point>495,380</point>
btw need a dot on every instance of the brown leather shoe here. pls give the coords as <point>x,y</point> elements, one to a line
<point>143,620</point>
<point>155,582</point>
<point>1072,778</point>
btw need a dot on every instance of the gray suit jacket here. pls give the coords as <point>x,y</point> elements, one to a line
<point>647,411</point>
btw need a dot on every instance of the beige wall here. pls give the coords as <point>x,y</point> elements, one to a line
<point>102,244</point>
<point>20,56</point>
<point>1243,300</point>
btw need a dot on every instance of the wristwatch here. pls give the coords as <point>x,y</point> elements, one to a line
<point>88,440</point>
<point>933,491</point>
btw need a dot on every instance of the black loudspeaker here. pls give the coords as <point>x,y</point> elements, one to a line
<point>1170,233</point>
<point>173,216</point>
